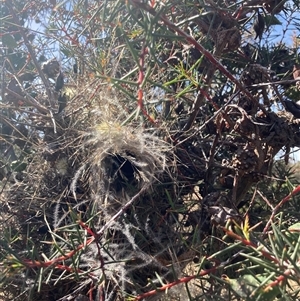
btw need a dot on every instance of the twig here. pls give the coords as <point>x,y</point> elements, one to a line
<point>275,210</point>
<point>179,281</point>
<point>279,82</point>
<point>206,53</point>
<point>31,52</point>
<point>122,210</point>
<point>30,101</point>
<point>33,56</point>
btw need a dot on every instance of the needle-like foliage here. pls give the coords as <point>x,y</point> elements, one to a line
<point>145,149</point>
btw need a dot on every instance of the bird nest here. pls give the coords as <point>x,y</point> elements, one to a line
<point>106,201</point>
<point>110,183</point>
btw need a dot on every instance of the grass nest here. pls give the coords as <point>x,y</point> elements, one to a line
<point>101,204</point>
<point>95,209</point>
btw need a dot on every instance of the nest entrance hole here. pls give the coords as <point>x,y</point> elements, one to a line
<point>121,171</point>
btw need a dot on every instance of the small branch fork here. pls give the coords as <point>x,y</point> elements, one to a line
<point>275,210</point>
<point>93,238</point>
<point>44,79</point>
<point>176,282</point>
<point>57,262</point>
<point>284,267</point>
<point>207,54</point>
<point>31,51</point>
<point>266,254</point>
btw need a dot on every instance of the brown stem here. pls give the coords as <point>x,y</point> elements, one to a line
<point>32,54</point>
<point>206,53</point>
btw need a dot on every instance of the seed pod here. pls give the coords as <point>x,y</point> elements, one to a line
<point>259,26</point>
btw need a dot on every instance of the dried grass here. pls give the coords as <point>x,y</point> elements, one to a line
<point>96,162</point>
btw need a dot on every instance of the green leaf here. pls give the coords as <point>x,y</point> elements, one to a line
<point>9,41</point>
<point>295,228</point>
<point>67,52</point>
<point>253,287</point>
